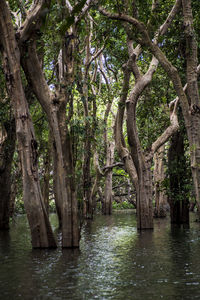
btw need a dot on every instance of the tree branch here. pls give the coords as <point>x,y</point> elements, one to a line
<point>69,7</point>
<point>117,164</point>
<point>155,50</point>
<point>163,28</point>
<point>84,10</point>
<point>143,82</point>
<point>95,55</point>
<point>168,132</point>
<point>31,19</point>
<point>174,123</point>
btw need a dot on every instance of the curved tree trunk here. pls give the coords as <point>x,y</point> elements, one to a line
<point>190,104</point>
<point>55,108</point>
<point>41,232</point>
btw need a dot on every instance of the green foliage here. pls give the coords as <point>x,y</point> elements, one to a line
<point>152,114</point>
<point>122,205</point>
<point>19,207</point>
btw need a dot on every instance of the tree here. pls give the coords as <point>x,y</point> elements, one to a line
<point>190,102</point>
<point>141,161</point>
<point>178,198</point>
<point>41,232</point>
<point>7,147</point>
<point>159,177</point>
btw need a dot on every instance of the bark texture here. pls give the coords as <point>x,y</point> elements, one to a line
<point>158,176</point>
<point>178,199</point>
<point>7,147</point>
<point>54,105</point>
<point>107,202</point>
<point>41,232</point>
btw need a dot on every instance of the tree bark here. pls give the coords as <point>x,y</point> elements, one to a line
<point>144,198</point>
<point>179,203</point>
<point>99,175</point>
<point>54,105</point>
<point>55,108</point>
<point>46,177</point>
<point>193,130</point>
<point>158,176</point>
<point>107,202</point>
<point>41,232</point>
<point>7,148</point>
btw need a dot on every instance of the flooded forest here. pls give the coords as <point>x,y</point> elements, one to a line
<point>99,149</point>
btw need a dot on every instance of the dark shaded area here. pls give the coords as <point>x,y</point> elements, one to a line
<point>178,180</point>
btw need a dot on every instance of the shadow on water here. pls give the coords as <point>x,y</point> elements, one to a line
<point>114,262</point>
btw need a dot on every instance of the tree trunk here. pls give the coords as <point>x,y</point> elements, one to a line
<point>190,104</point>
<point>159,175</point>
<point>144,174</point>
<point>87,203</point>
<point>144,199</point>
<point>99,175</point>
<point>179,204</point>
<point>107,202</point>
<point>193,130</point>
<point>7,147</point>
<point>141,160</point>
<point>55,109</point>
<point>70,225</point>
<point>46,177</point>
<point>41,232</point>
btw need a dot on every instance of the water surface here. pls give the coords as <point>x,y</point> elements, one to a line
<point>114,262</point>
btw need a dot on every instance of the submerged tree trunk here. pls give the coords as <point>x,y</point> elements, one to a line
<point>54,106</point>
<point>158,176</point>
<point>7,148</point>
<point>46,177</point>
<point>178,199</point>
<point>144,200</point>
<point>99,175</point>
<point>107,202</point>
<point>41,232</point>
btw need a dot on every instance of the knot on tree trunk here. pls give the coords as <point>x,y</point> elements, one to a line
<point>195,109</point>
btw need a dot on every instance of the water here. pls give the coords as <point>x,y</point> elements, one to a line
<point>114,262</point>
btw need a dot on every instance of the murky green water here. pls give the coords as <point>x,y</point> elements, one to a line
<point>114,262</point>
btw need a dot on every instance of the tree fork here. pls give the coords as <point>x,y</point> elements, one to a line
<point>41,232</point>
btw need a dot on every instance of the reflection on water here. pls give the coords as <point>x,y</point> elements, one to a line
<point>114,262</point>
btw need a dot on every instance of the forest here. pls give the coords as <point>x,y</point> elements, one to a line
<point>99,149</point>
<point>99,108</point>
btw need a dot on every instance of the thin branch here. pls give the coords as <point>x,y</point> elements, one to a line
<point>155,50</point>
<point>105,78</point>
<point>175,9</point>
<point>69,7</point>
<point>174,123</point>
<point>110,69</point>
<point>174,126</point>
<point>96,55</point>
<point>133,55</point>
<point>117,164</point>
<point>31,20</point>
<point>84,10</point>
<point>185,86</point>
